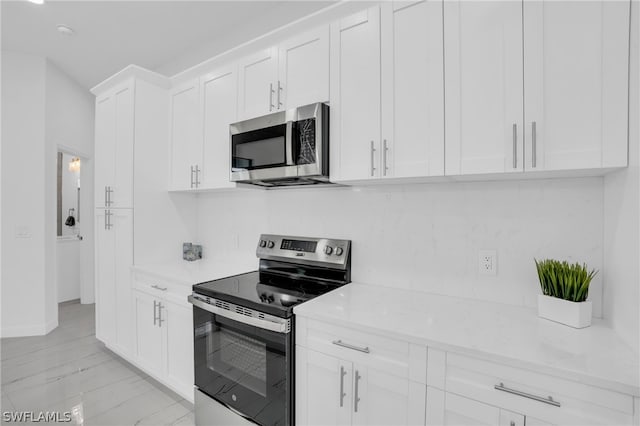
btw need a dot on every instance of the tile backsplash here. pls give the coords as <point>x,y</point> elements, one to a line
<point>426,236</point>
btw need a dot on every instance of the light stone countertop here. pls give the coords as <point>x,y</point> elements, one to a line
<point>508,334</point>
<point>190,273</point>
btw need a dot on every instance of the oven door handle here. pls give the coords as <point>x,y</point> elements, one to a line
<point>289,144</point>
<point>279,325</point>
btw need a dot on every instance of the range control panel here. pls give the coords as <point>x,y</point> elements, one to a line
<point>334,253</point>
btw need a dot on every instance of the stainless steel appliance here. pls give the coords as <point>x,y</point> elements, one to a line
<point>244,327</point>
<point>282,149</point>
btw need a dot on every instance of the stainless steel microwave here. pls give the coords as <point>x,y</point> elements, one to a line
<point>282,149</point>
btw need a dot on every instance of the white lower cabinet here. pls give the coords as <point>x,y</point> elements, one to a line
<point>334,391</point>
<point>164,336</point>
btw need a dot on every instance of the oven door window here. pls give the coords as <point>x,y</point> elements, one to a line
<point>244,367</point>
<point>259,149</point>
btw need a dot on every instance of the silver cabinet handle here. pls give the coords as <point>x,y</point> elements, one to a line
<point>107,219</point>
<point>548,400</point>
<point>343,373</point>
<point>373,150</point>
<point>348,346</point>
<point>356,398</point>
<point>515,146</point>
<point>384,157</point>
<point>155,316</point>
<point>159,288</point>
<point>534,148</point>
<point>110,191</point>
<point>512,423</point>
<point>197,176</point>
<point>106,197</point>
<point>279,90</point>
<point>271,106</point>
<point>160,320</point>
<point>192,176</point>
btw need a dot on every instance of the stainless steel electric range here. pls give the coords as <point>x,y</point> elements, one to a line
<point>244,327</point>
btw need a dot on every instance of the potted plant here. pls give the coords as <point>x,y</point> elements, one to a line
<point>565,288</point>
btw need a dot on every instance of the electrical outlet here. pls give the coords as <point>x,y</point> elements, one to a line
<point>487,262</point>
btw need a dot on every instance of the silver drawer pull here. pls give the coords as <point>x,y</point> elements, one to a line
<point>348,346</point>
<point>159,288</point>
<point>548,400</point>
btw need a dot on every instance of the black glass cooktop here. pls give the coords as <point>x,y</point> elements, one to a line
<point>268,293</point>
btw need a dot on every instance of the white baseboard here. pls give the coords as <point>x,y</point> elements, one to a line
<point>28,330</point>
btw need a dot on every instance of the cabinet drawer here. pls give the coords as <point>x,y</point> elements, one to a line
<point>392,356</point>
<point>528,392</point>
<point>160,287</point>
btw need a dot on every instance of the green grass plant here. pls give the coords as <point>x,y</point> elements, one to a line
<point>564,280</point>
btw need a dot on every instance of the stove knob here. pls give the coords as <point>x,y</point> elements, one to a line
<point>339,251</point>
<point>270,298</point>
<point>271,244</point>
<point>263,243</point>
<point>328,250</point>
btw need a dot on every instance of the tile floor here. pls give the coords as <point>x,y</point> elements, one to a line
<point>69,370</point>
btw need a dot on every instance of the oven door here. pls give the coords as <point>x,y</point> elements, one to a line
<point>244,366</point>
<point>261,148</point>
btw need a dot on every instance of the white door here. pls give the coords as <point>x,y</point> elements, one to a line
<point>412,89</point>
<point>122,195</point>
<point>576,73</point>
<point>122,230</point>
<point>104,148</point>
<point>303,72</point>
<point>105,252</point>
<point>355,96</point>
<point>383,399</point>
<point>186,135</point>
<point>219,106</point>
<point>449,409</point>
<point>509,418</point>
<point>483,87</point>
<point>258,75</point>
<point>177,323</point>
<point>148,332</point>
<point>323,389</point>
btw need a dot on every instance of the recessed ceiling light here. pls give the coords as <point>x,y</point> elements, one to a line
<point>65,30</point>
<point>36,1</point>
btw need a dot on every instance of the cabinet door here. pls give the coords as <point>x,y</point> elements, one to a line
<point>576,73</point>
<point>105,249</point>
<point>483,87</point>
<point>445,408</point>
<point>148,332</point>
<point>122,195</point>
<point>412,89</point>
<point>219,106</point>
<point>382,399</point>
<point>355,96</point>
<point>323,389</point>
<point>303,72</point>
<point>509,418</point>
<point>104,147</point>
<point>177,323</point>
<point>186,135</point>
<point>122,229</point>
<point>258,75</point>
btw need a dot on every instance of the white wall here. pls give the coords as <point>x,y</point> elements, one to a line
<point>69,121</point>
<point>26,273</point>
<point>427,236</point>
<point>622,218</point>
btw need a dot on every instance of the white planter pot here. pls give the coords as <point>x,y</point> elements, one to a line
<point>573,314</point>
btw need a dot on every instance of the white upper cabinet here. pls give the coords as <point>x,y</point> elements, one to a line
<point>575,84</point>
<point>114,134</point>
<point>219,109</point>
<point>483,87</point>
<point>412,89</point>
<point>303,70</point>
<point>257,94</point>
<point>355,97</point>
<point>186,136</point>
<point>292,74</point>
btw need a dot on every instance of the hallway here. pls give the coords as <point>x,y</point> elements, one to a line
<point>69,370</point>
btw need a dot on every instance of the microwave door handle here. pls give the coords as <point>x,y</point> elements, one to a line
<point>289,144</point>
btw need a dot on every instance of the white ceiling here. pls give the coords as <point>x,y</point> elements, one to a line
<point>113,34</point>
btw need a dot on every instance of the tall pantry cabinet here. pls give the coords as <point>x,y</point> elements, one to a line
<point>127,106</point>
